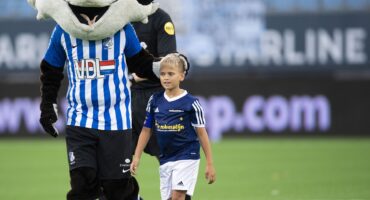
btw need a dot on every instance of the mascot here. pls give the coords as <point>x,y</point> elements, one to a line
<point>95,41</point>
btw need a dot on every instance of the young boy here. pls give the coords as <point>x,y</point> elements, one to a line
<point>177,120</point>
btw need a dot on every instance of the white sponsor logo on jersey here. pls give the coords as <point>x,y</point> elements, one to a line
<point>93,68</point>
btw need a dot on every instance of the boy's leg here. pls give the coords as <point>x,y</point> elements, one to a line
<point>165,177</point>
<point>184,176</point>
<point>178,194</point>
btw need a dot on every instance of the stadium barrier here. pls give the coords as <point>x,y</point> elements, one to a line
<point>233,107</point>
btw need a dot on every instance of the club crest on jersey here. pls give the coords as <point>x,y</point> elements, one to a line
<point>107,43</point>
<point>93,68</point>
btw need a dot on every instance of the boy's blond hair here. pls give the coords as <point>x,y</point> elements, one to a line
<point>175,59</point>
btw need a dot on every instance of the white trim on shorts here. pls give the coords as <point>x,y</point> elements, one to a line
<point>178,175</point>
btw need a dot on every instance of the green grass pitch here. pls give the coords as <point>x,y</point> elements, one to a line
<point>247,169</point>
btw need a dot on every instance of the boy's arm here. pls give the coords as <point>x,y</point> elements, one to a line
<point>143,140</point>
<point>206,146</point>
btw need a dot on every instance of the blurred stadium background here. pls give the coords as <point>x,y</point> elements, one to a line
<point>285,85</point>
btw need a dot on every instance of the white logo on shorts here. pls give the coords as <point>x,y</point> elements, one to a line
<point>126,165</point>
<point>71,157</point>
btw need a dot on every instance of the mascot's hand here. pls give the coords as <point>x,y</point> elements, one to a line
<point>156,66</point>
<point>49,115</point>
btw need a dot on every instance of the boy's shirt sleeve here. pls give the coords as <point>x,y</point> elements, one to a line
<point>149,119</point>
<point>132,46</point>
<point>55,54</point>
<point>197,115</point>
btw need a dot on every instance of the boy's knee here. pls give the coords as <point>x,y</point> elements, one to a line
<point>84,184</point>
<point>178,195</point>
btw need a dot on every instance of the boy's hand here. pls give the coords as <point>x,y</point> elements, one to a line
<point>210,174</point>
<point>134,165</point>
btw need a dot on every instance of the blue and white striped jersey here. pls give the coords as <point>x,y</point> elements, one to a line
<point>172,121</point>
<point>98,94</point>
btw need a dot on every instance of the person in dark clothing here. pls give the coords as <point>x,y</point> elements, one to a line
<point>158,37</point>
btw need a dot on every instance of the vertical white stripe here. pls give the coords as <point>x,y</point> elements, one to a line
<point>89,119</point>
<point>77,86</point>
<point>149,102</point>
<point>196,113</point>
<point>112,111</point>
<point>69,97</point>
<point>129,91</point>
<point>69,91</point>
<point>121,73</point>
<point>203,120</point>
<point>100,90</point>
<point>122,94</point>
<point>127,85</point>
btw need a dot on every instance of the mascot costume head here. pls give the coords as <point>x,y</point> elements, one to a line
<point>93,19</point>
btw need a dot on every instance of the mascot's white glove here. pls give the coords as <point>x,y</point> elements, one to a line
<point>156,66</point>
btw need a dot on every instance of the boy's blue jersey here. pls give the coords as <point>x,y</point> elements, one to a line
<point>173,122</point>
<point>98,94</point>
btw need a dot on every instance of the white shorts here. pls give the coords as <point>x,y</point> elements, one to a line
<point>178,175</point>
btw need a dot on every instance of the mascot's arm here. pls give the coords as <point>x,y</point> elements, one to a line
<point>52,68</point>
<point>142,65</point>
<point>51,78</point>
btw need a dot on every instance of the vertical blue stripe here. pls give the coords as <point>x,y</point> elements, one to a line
<point>127,94</point>
<point>107,101</point>
<point>94,89</point>
<point>117,40</point>
<point>72,77</point>
<point>82,85</point>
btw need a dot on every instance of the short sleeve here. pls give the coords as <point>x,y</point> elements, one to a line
<point>197,115</point>
<point>132,46</point>
<point>55,54</point>
<point>149,119</point>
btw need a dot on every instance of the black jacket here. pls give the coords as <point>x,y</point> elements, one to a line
<point>159,40</point>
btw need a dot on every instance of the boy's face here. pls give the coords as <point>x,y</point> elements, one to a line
<point>170,76</point>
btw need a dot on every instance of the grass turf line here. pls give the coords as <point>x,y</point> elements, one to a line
<point>247,169</point>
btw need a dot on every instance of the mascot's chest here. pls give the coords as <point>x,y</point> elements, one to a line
<point>94,59</point>
<point>110,47</point>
